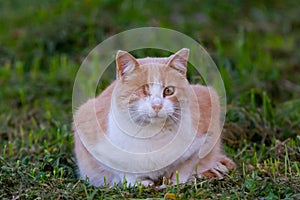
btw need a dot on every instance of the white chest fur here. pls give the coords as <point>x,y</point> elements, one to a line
<point>123,133</point>
<point>175,142</point>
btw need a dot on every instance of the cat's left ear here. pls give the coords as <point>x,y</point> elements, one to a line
<point>126,63</point>
<point>179,60</point>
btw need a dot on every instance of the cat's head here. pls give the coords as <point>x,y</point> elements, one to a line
<point>152,90</point>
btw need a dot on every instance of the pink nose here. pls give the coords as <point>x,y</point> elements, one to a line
<point>156,104</point>
<point>157,107</point>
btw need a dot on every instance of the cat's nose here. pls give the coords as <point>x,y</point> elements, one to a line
<point>156,108</point>
<point>156,104</point>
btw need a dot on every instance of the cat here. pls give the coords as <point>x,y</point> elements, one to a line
<point>149,106</point>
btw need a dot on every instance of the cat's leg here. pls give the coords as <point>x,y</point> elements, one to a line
<point>184,171</point>
<point>215,164</point>
<point>206,168</point>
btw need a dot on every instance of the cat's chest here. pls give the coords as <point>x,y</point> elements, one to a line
<point>122,134</point>
<point>159,152</point>
<point>146,139</point>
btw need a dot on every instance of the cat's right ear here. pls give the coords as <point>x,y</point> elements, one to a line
<point>126,63</point>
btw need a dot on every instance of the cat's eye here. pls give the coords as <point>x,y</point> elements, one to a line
<point>168,91</point>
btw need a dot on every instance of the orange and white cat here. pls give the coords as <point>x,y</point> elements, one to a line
<point>153,113</point>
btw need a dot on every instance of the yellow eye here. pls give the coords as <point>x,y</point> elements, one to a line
<point>168,91</point>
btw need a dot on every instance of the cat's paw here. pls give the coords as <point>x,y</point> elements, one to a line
<point>147,183</point>
<point>228,163</point>
<point>221,167</point>
<point>211,173</point>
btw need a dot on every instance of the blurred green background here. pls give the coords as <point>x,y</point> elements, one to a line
<point>255,44</point>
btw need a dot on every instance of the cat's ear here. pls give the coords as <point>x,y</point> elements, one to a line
<point>179,60</point>
<point>126,63</point>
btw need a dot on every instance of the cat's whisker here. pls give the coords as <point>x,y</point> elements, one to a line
<point>177,118</point>
<point>134,109</point>
<point>138,114</point>
<point>177,112</point>
<point>174,119</point>
<point>177,107</point>
<point>144,118</point>
<point>139,118</point>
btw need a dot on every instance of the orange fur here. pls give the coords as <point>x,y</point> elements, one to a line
<point>201,102</point>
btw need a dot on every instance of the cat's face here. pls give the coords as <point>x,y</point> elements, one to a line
<point>152,90</point>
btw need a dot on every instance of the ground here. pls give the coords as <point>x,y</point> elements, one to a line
<point>255,46</point>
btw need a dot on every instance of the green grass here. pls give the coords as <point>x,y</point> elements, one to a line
<point>255,45</point>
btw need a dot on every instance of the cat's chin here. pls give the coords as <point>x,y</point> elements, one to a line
<point>151,120</point>
<point>157,119</point>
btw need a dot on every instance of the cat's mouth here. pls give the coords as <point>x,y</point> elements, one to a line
<point>157,118</point>
<point>157,115</point>
<point>147,118</point>
<point>150,119</point>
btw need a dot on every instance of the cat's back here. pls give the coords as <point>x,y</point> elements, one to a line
<point>206,101</point>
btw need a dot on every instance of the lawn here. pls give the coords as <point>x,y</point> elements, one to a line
<point>255,44</point>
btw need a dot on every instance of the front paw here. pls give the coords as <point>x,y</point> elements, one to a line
<point>147,183</point>
<point>221,167</point>
<point>228,163</point>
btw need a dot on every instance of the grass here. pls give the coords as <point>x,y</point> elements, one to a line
<point>257,55</point>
